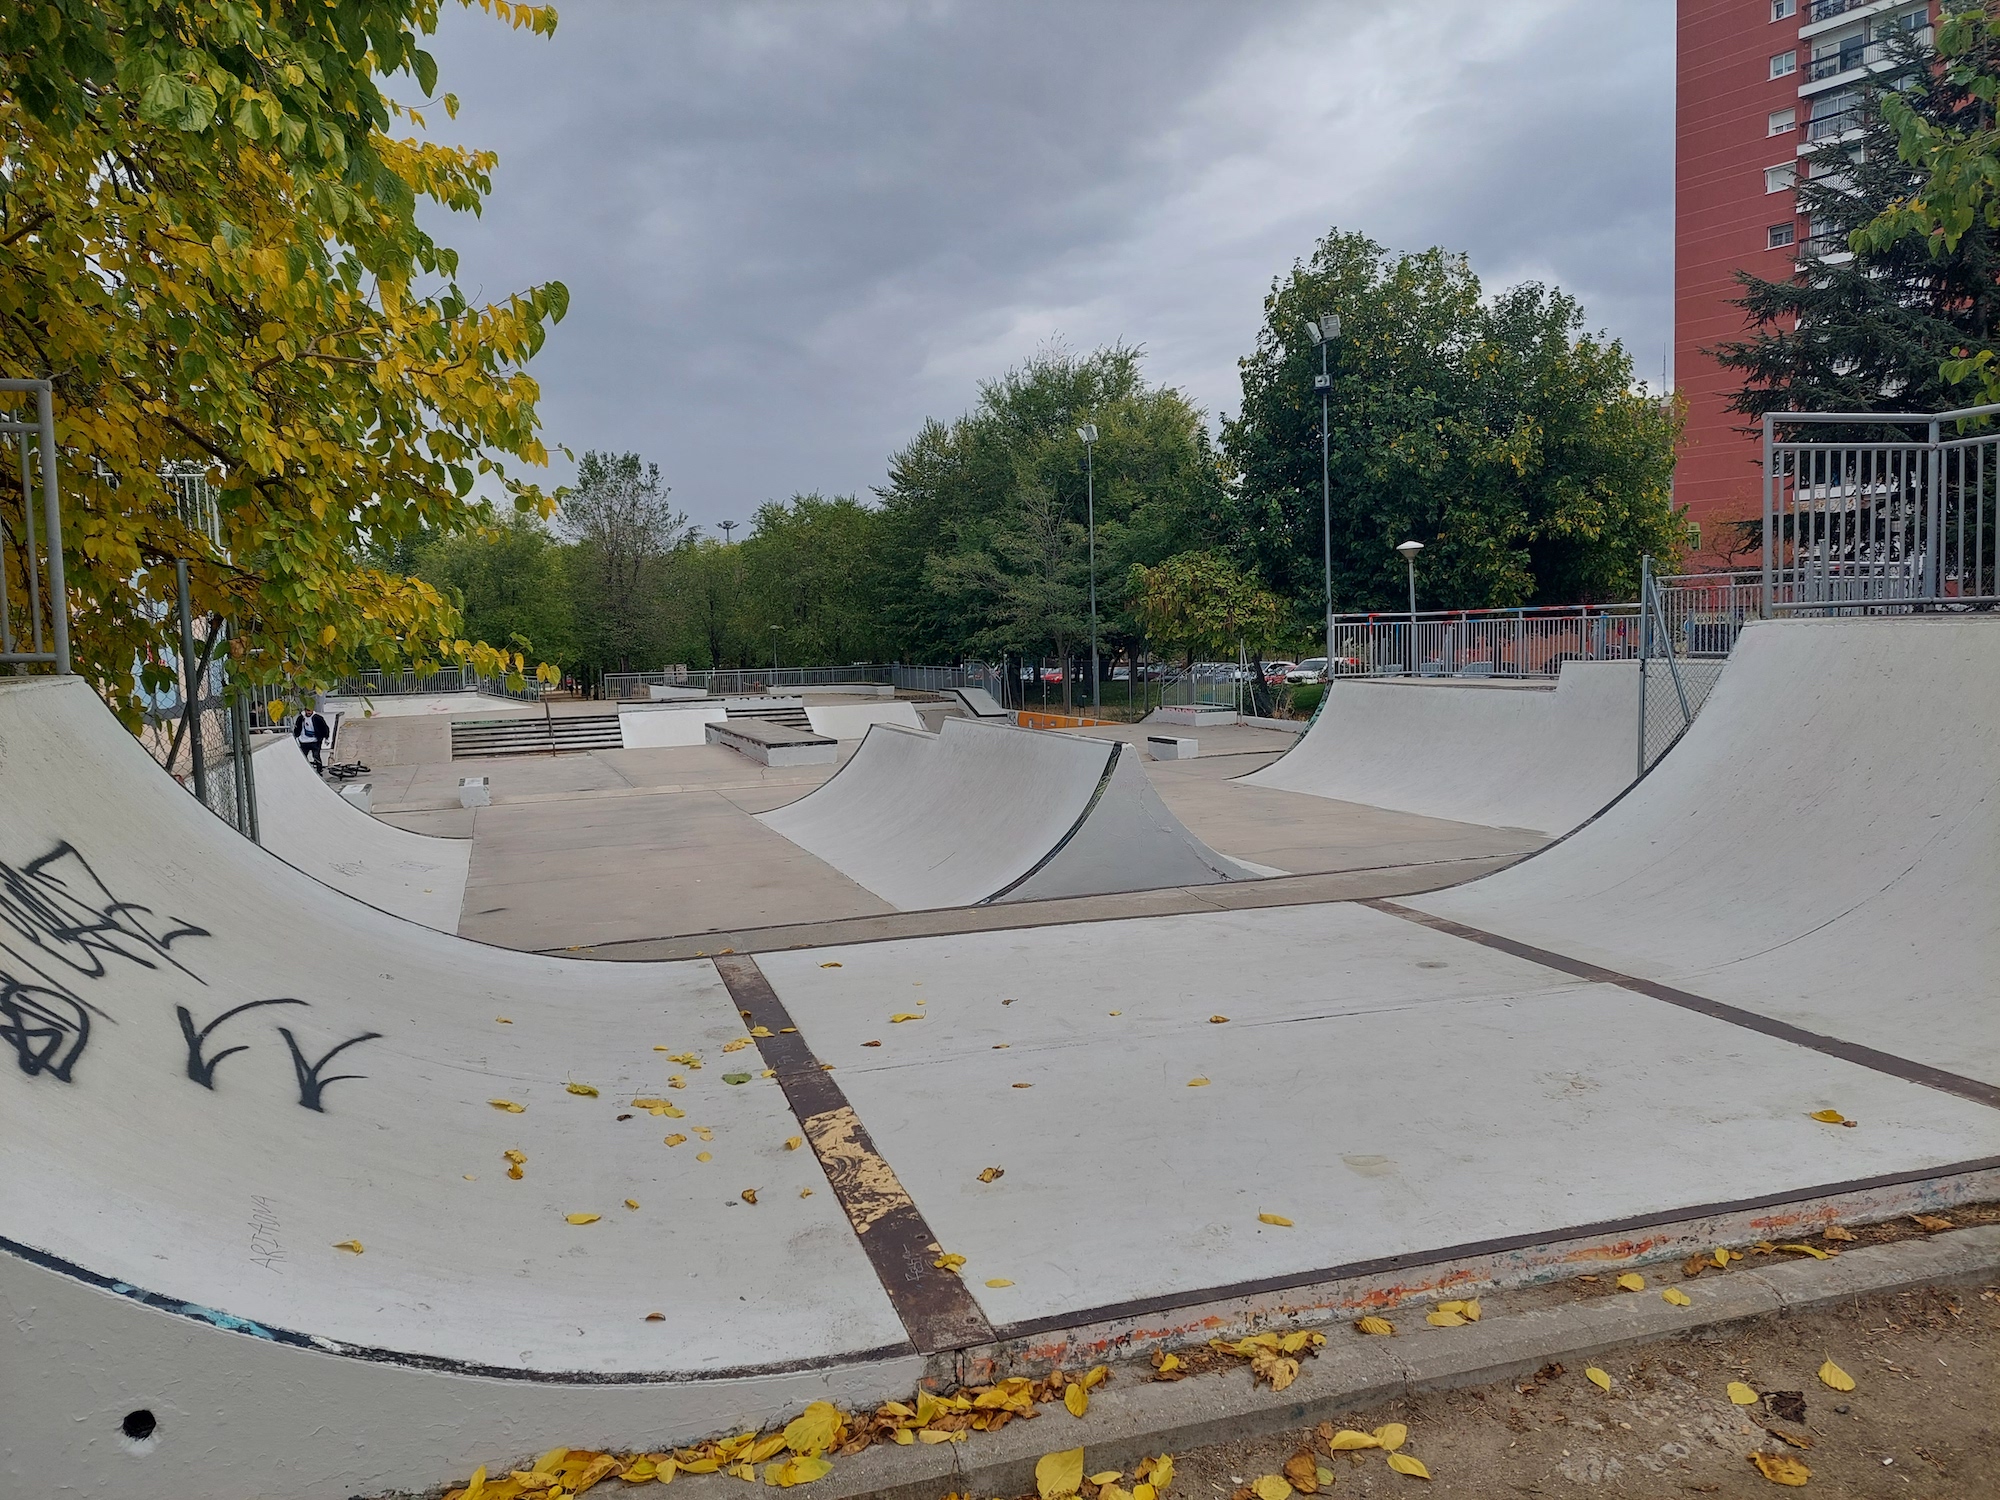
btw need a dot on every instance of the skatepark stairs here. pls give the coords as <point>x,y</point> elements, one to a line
<point>534,736</point>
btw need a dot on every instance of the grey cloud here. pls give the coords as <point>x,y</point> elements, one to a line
<point>792,231</point>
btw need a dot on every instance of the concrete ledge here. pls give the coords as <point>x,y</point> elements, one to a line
<point>1172,747</point>
<point>1283,726</point>
<point>773,744</point>
<point>1197,716</point>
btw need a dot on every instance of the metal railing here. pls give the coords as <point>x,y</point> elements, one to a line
<point>1895,523</point>
<point>734,681</point>
<point>1483,642</point>
<point>34,610</point>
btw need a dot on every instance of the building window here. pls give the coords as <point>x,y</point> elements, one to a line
<point>1780,178</point>
<point>1783,120</point>
<point>1783,63</point>
<point>1784,9</point>
<point>1778,236</point>
<point>1694,536</point>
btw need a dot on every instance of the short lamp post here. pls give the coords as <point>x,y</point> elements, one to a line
<point>775,631</point>
<point>1410,551</point>
<point>1323,332</point>
<point>1088,432</point>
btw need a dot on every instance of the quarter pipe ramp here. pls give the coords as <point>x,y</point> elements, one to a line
<point>983,812</point>
<point>307,825</point>
<point>1501,754</point>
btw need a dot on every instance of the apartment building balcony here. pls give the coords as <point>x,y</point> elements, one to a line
<point>1819,15</point>
<point>1853,61</point>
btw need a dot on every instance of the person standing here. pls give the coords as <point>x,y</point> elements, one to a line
<point>311,732</point>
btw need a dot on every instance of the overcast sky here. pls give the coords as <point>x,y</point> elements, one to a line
<point>793,229</point>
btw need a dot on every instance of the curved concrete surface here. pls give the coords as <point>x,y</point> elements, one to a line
<point>165,1194</point>
<point>451,705</point>
<point>1822,846</point>
<point>1473,751</point>
<point>644,726</point>
<point>984,812</point>
<point>306,824</point>
<point>852,721</point>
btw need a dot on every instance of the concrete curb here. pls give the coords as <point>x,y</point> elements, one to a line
<point>1137,1417</point>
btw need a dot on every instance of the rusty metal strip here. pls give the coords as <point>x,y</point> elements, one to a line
<point>937,1310</point>
<point>1944,1082</point>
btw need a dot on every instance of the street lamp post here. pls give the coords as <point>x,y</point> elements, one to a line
<point>1323,332</point>
<point>1088,432</point>
<point>775,631</point>
<point>1410,551</point>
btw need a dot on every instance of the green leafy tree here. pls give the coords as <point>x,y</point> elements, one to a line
<point>1511,443</point>
<point>622,519</point>
<point>1947,132</point>
<point>210,243</point>
<point>1200,604</point>
<point>809,568</point>
<point>1873,329</point>
<point>511,585</point>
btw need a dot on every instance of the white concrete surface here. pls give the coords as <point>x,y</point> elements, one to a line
<point>313,828</point>
<point>128,1182</point>
<point>1821,847</point>
<point>667,724</point>
<point>451,705</point>
<point>1388,1088</point>
<point>978,702</point>
<point>985,812</point>
<point>1502,754</point>
<point>850,721</point>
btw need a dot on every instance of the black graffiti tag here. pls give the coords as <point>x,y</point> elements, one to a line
<point>46,1027</point>
<point>311,1085</point>
<point>57,907</point>
<point>202,1069</point>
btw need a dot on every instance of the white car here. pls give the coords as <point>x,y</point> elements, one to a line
<point>1312,669</point>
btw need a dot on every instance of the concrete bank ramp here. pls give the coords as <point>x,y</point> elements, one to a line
<point>307,824</point>
<point>852,721</point>
<point>1823,847</point>
<point>983,812</point>
<point>219,1072</point>
<point>1474,751</point>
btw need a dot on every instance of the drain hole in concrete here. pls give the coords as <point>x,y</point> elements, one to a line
<point>139,1425</point>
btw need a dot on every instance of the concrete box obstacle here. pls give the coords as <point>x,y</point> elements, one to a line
<point>1172,747</point>
<point>304,822</point>
<point>1507,755</point>
<point>645,726</point>
<point>983,812</point>
<point>773,744</point>
<point>359,794</point>
<point>474,792</point>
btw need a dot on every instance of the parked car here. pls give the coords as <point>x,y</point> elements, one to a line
<point>1278,673</point>
<point>1312,669</point>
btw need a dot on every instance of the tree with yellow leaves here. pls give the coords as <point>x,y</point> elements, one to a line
<point>209,243</point>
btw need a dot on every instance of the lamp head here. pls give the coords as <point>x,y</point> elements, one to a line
<point>1312,331</point>
<point>1410,549</point>
<point>1088,432</point>
<point>1329,325</point>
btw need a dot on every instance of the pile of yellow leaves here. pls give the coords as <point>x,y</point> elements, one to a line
<point>1274,1358</point>
<point>1060,1476</point>
<point>1306,1473</point>
<point>802,1451</point>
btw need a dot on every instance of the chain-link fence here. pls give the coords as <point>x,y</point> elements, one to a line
<point>207,751</point>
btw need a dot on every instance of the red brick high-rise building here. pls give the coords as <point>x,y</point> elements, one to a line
<point>1758,84</point>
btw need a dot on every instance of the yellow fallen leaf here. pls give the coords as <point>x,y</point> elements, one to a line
<point>793,1142</point>
<point>811,1432</point>
<point>992,1174</point>
<point>1444,1320</point>
<point>515,1157</point>
<point>1827,1116</point>
<point>1781,1468</point>
<point>1402,1463</point>
<point>582,1089</point>
<point>1813,1250</point>
<point>1835,1378</point>
<point>1076,1398</point>
<point>998,1281</point>
<point>704,1156</point>
<point>1059,1475</point>
<point>1109,1476</point>
<point>1197,1083</point>
<point>1931,1222</point>
<point>631,1202</point>
<point>1741,1394</point>
<point>515,1172</point>
<point>761,1031</point>
<point>1347,1440</point>
<point>706,1132</point>
<point>1145,1492</point>
<point>1838,1235</point>
<point>1278,1219</point>
<point>1632,1281</point>
<point>1375,1325</point>
<point>1024,1085</point>
<point>737,1045</point>
<point>829,966</point>
<point>507,1104</point>
<point>1217,1020</point>
<point>805,1192</point>
<point>1597,1378</point>
<point>1457,1307</point>
<point>1470,1312</point>
<point>948,1261</point>
<point>904,1015</point>
<point>1722,1258</point>
<point>657,1317</point>
<point>801,1469</point>
<point>1162,1473</point>
<point>676,1140</point>
<point>749,1195</point>
<point>1272,1487</point>
<point>1166,1362</point>
<point>764,1448</point>
<point>352,1247</point>
<point>1392,1435</point>
<point>582,1218</point>
<point>660,1107</point>
<point>1676,1296</point>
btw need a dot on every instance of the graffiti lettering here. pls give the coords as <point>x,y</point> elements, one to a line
<point>264,1248</point>
<point>45,1027</point>
<point>311,1085</point>
<point>58,906</point>
<point>202,1069</point>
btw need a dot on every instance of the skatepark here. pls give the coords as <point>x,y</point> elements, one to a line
<point>285,1148</point>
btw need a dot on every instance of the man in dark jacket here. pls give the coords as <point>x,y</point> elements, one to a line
<point>311,731</point>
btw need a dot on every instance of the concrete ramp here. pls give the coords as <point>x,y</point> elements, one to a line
<point>1502,754</point>
<point>1822,847</point>
<point>307,825</point>
<point>852,721</point>
<point>978,702</point>
<point>983,812</point>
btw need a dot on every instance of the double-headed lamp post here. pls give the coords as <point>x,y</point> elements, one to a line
<point>1410,551</point>
<point>1088,432</point>
<point>1323,331</point>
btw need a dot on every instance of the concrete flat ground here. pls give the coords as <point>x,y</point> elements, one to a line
<point>657,853</point>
